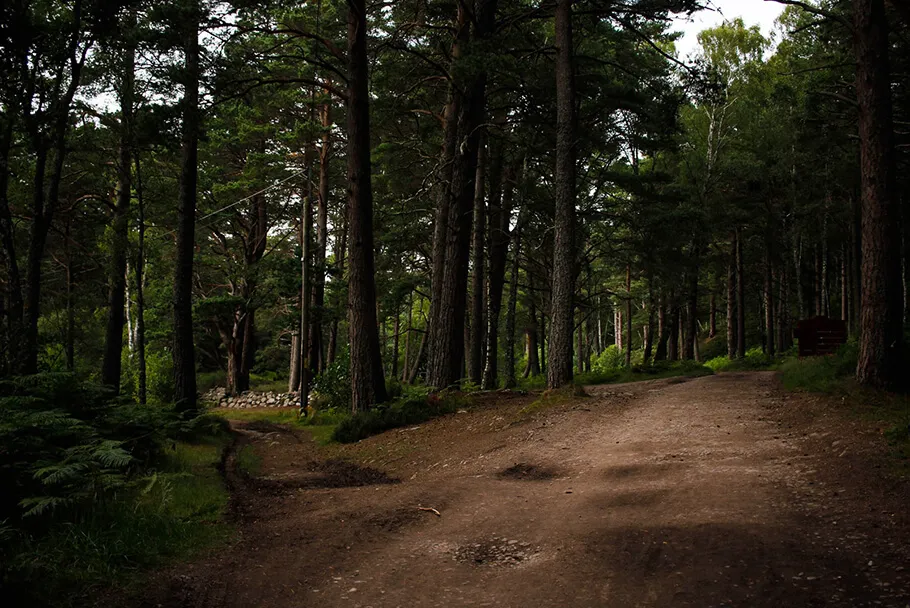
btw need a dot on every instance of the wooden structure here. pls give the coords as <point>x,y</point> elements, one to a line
<point>820,336</point>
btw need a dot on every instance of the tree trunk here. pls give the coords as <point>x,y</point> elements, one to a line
<point>113,341</point>
<point>340,256</point>
<point>478,264</point>
<point>294,372</point>
<point>511,310</point>
<point>367,382</point>
<point>628,315</point>
<point>446,345</point>
<point>731,300</point>
<point>673,341</point>
<point>140,287</point>
<point>184,351</point>
<point>740,298</point>
<point>397,329</point>
<point>418,361</point>
<point>407,339</point>
<point>691,329</point>
<point>880,344</point>
<point>712,319</point>
<point>769,303</point>
<point>559,370</point>
<point>317,354</point>
<point>14,310</point>
<point>662,331</point>
<point>500,213</point>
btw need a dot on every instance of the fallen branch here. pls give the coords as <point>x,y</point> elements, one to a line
<point>431,510</point>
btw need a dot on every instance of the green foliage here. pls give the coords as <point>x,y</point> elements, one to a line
<point>96,487</point>
<point>334,386</point>
<point>610,359</point>
<point>411,409</point>
<point>755,359</point>
<point>820,374</point>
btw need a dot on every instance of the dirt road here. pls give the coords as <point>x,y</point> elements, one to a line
<point>717,491</point>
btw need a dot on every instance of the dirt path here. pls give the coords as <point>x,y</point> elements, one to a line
<point>718,491</point>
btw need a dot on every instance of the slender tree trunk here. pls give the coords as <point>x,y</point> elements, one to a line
<point>542,343</point>
<point>769,303</point>
<point>317,354</point>
<point>629,315</point>
<point>478,264</point>
<point>184,351</point>
<point>140,287</point>
<point>341,257</point>
<point>559,370</point>
<point>662,330</point>
<point>649,328</point>
<point>367,382</point>
<point>407,338</point>
<point>113,341</point>
<point>500,213</point>
<point>70,345</point>
<point>511,310</point>
<point>712,320</point>
<point>740,298</point>
<point>294,372</point>
<point>397,329</point>
<point>617,327</point>
<point>673,342</point>
<point>731,300</point>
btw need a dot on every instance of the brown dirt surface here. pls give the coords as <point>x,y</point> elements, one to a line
<point>717,491</point>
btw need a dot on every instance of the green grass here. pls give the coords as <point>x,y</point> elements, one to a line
<point>285,415</point>
<point>638,373</point>
<point>248,461</point>
<point>170,515</point>
<point>320,425</point>
<point>550,399</point>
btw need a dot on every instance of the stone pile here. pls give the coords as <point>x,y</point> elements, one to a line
<point>218,397</point>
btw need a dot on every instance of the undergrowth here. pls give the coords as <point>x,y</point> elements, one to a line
<point>97,489</point>
<point>417,405</point>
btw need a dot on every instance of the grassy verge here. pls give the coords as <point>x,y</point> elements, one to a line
<point>171,514</point>
<point>833,375</point>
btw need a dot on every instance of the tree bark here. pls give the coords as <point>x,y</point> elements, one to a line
<point>562,306</point>
<point>628,315</point>
<point>113,341</point>
<point>340,258</point>
<point>184,351</point>
<point>511,310</point>
<point>15,306</point>
<point>317,349</point>
<point>731,300</point>
<point>663,334</point>
<point>478,264</point>
<point>769,303</point>
<point>500,213</point>
<point>740,298</point>
<point>446,345</point>
<point>367,382</point>
<point>880,344</point>
<point>673,341</point>
<point>139,268</point>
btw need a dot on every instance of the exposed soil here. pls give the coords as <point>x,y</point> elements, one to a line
<point>719,491</point>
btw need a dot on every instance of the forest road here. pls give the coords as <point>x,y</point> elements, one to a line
<point>715,491</point>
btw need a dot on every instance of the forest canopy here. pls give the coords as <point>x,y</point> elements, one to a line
<point>352,196</point>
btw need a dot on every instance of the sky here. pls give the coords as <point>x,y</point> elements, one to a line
<point>752,12</point>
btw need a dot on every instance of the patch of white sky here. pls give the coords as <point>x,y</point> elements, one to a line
<point>752,12</point>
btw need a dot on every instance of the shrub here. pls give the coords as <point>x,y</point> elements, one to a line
<point>610,359</point>
<point>334,385</point>
<point>411,409</point>
<point>820,374</point>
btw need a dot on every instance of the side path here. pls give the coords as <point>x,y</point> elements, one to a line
<point>718,491</point>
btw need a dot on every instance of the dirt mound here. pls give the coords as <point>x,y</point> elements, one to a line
<point>523,471</point>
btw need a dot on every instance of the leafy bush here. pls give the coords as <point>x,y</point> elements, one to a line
<point>334,385</point>
<point>411,409</point>
<point>610,359</point>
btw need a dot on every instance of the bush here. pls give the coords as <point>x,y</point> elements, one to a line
<point>411,409</point>
<point>334,386</point>
<point>610,359</point>
<point>820,374</point>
